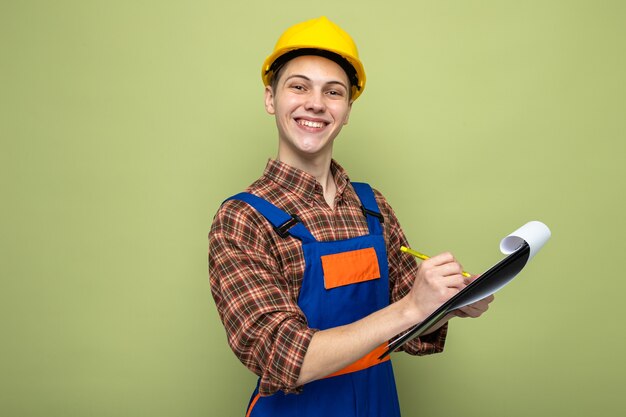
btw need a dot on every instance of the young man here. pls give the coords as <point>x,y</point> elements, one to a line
<point>305,266</point>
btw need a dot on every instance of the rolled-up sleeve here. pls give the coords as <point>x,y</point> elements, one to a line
<point>265,328</point>
<point>402,272</point>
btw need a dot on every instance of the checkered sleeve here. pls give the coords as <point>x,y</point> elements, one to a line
<point>402,271</point>
<point>265,328</point>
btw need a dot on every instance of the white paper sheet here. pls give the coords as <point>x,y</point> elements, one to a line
<point>535,233</point>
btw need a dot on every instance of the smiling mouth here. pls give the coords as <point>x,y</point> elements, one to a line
<point>310,123</point>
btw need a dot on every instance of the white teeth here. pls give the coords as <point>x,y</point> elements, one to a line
<point>310,123</point>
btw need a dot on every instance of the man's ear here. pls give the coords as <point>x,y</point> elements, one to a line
<point>269,99</point>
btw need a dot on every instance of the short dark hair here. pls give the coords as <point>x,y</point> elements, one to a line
<point>279,63</point>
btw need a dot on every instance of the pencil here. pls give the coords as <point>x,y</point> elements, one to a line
<point>424,257</point>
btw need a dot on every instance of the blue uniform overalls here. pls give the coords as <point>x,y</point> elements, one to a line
<point>343,281</point>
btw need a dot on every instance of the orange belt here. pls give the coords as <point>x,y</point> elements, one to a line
<point>365,362</point>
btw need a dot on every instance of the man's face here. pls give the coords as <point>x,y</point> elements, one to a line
<point>311,105</point>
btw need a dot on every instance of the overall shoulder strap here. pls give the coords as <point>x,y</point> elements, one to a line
<point>369,207</point>
<point>284,223</point>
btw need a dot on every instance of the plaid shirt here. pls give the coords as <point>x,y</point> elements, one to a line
<point>255,275</point>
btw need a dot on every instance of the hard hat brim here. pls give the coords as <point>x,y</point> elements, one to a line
<point>267,73</point>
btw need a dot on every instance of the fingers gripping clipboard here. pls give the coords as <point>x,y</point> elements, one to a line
<point>520,247</point>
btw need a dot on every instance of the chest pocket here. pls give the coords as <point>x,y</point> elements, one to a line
<point>350,267</point>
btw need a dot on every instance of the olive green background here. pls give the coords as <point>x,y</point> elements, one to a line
<point>124,124</point>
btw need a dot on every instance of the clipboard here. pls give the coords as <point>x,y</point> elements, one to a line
<point>520,245</point>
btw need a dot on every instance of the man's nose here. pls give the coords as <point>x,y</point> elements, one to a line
<point>315,101</point>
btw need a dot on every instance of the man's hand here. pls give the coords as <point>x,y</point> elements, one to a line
<point>438,279</point>
<point>475,309</point>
